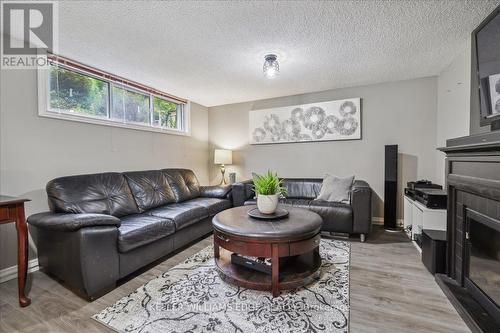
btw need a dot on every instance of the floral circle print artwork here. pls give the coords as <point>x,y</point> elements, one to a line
<point>330,124</point>
<point>323,121</point>
<point>272,124</point>
<point>298,114</point>
<point>347,109</point>
<point>314,117</point>
<point>347,126</point>
<point>318,131</point>
<point>290,130</point>
<point>259,134</point>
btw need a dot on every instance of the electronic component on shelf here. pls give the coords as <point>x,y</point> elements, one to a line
<point>432,197</point>
<point>413,186</point>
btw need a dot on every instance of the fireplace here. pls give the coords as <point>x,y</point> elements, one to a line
<point>482,273</point>
<point>472,279</point>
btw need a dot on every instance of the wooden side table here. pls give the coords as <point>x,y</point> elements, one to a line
<point>12,210</point>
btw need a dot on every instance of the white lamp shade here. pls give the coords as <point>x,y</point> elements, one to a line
<point>223,156</point>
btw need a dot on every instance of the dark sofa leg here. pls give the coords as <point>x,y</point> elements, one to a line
<point>362,237</point>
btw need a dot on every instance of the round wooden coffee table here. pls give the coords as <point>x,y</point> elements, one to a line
<point>291,243</point>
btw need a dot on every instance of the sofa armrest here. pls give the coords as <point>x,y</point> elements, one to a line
<point>361,203</point>
<point>242,191</point>
<point>215,191</point>
<point>71,222</point>
<point>85,259</point>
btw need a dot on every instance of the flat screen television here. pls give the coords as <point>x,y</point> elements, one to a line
<point>487,54</point>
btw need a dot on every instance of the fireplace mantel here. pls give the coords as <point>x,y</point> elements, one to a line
<point>473,185</point>
<point>478,143</point>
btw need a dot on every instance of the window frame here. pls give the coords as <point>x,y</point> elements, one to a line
<point>136,91</point>
<point>62,111</point>
<point>180,120</point>
<point>44,110</point>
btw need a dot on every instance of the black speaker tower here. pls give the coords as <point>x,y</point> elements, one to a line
<point>390,187</point>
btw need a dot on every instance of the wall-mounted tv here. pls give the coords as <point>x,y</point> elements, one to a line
<point>487,48</point>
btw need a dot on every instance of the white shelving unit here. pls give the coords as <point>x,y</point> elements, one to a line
<point>420,217</point>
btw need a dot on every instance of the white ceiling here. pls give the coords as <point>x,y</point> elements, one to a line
<point>212,52</point>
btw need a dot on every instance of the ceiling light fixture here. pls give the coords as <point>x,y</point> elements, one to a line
<point>271,67</point>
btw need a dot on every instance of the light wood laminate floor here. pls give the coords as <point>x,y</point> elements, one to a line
<point>391,291</point>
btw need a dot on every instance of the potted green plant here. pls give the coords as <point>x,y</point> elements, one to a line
<point>268,187</point>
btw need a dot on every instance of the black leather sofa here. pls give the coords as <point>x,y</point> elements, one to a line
<point>353,217</point>
<point>102,227</point>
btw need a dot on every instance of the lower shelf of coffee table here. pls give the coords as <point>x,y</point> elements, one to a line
<point>297,272</point>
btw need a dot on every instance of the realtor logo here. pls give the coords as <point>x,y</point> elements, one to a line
<point>28,30</point>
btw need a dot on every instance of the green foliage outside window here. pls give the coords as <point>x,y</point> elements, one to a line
<point>165,113</point>
<point>77,93</point>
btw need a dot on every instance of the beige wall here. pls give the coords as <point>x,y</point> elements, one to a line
<point>416,114</point>
<point>34,150</point>
<point>402,113</point>
<point>453,105</point>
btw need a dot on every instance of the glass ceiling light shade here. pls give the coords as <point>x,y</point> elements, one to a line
<point>271,67</point>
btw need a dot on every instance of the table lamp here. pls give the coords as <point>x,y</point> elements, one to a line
<point>223,157</point>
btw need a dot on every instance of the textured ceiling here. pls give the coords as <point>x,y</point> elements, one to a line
<point>212,52</point>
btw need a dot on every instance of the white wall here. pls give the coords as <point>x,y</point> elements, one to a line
<point>453,105</point>
<point>402,113</point>
<point>34,150</point>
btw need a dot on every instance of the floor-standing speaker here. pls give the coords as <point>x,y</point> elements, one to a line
<point>390,186</point>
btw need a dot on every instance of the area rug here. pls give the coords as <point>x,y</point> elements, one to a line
<point>191,297</point>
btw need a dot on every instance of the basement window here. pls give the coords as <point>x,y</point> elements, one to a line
<point>130,106</point>
<point>73,91</point>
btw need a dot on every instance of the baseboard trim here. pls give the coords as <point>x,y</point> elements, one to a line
<point>10,273</point>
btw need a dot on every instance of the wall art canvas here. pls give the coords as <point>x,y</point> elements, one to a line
<point>324,121</point>
<point>495,93</point>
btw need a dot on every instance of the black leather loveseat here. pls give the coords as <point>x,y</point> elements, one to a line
<point>102,227</point>
<point>353,217</point>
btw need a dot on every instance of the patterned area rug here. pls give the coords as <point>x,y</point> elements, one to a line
<point>191,297</point>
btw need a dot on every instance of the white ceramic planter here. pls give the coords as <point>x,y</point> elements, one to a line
<point>267,204</point>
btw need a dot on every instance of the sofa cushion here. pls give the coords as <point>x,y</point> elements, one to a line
<point>183,214</point>
<point>250,202</point>
<point>150,189</point>
<point>337,216</point>
<point>141,229</point>
<point>215,191</point>
<point>299,203</point>
<point>335,188</point>
<point>103,193</point>
<point>183,182</point>
<point>305,188</point>
<point>214,205</point>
